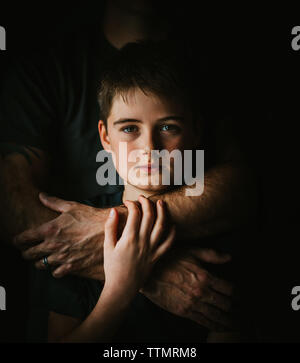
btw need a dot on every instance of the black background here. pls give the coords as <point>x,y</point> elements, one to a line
<point>251,49</point>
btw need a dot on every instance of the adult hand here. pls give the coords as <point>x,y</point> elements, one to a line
<point>181,286</point>
<point>72,242</point>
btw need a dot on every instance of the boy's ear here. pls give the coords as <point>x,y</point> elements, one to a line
<point>104,138</point>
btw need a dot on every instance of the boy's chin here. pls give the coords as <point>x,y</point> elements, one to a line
<point>150,187</point>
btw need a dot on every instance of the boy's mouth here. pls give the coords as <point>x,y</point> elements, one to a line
<point>148,168</point>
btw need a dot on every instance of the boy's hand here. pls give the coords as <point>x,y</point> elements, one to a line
<point>128,261</point>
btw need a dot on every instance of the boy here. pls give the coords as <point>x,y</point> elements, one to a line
<point>146,101</point>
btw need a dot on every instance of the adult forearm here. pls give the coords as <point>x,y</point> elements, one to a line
<point>20,205</point>
<point>228,201</point>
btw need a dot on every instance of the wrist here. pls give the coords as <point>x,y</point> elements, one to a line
<point>122,297</point>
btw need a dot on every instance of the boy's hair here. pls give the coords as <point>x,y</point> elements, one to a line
<point>157,68</point>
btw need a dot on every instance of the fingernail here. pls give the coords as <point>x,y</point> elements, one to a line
<point>111,213</point>
<point>160,202</point>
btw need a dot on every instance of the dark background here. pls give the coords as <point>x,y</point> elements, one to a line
<point>250,50</point>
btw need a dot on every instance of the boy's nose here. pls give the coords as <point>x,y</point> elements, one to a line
<point>149,143</point>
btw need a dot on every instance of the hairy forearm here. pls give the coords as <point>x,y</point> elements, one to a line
<point>228,201</point>
<point>20,207</point>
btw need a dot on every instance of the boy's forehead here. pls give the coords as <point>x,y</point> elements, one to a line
<point>136,104</point>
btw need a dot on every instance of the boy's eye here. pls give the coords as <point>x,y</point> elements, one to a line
<point>171,128</point>
<point>129,129</point>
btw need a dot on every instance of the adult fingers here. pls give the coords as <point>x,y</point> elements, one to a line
<point>216,299</point>
<point>54,260</point>
<point>166,244</point>
<point>222,286</point>
<point>30,237</point>
<point>41,250</point>
<point>54,203</point>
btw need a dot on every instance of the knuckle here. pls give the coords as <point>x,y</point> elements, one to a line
<point>190,302</point>
<point>136,210</point>
<point>181,310</point>
<point>193,277</point>
<point>61,257</point>
<point>186,308</point>
<point>68,206</point>
<point>54,273</point>
<point>53,245</point>
<point>71,204</point>
<point>53,230</point>
<point>203,276</point>
<point>70,266</point>
<point>198,292</point>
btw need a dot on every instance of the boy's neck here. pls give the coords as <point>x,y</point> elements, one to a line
<point>132,193</point>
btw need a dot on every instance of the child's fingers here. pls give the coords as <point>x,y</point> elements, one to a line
<point>132,226</point>
<point>148,217</point>
<point>166,244</point>
<point>111,228</point>
<point>158,229</point>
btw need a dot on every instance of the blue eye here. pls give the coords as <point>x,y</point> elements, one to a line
<point>172,128</point>
<point>129,129</point>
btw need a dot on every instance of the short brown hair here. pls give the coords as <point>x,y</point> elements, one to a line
<point>157,68</point>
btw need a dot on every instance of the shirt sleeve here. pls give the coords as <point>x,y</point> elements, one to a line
<point>29,95</point>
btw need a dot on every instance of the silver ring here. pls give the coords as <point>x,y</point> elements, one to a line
<point>45,262</point>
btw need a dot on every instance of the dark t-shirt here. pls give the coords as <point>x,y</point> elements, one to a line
<point>76,297</point>
<point>49,100</point>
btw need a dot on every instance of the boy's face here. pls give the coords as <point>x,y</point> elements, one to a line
<point>145,123</point>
